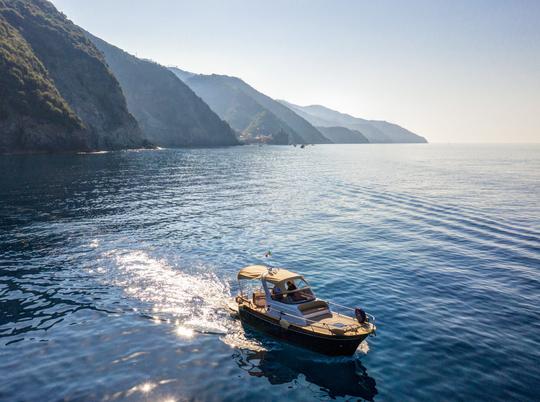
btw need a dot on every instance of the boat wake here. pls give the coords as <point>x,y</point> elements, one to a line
<point>192,301</point>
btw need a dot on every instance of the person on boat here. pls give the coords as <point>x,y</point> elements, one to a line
<point>291,286</point>
<point>276,293</point>
<point>293,295</point>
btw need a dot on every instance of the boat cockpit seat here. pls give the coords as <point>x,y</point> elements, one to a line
<point>259,299</point>
<point>314,308</point>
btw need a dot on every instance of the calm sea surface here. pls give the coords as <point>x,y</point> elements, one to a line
<point>114,271</point>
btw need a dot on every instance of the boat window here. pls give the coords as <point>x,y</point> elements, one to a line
<point>299,283</point>
<point>277,293</point>
<point>296,291</point>
<point>248,288</point>
<point>300,296</point>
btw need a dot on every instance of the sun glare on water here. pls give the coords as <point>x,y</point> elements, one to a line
<point>184,332</point>
<point>190,302</point>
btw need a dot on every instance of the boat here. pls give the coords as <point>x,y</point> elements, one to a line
<point>282,304</point>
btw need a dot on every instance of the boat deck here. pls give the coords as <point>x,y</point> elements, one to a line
<point>326,324</point>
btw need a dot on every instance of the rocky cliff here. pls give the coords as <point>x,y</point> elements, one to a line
<point>257,117</point>
<point>57,94</point>
<point>343,135</point>
<point>375,131</point>
<point>167,110</point>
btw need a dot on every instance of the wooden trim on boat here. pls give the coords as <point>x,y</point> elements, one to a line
<point>315,333</point>
<point>344,345</point>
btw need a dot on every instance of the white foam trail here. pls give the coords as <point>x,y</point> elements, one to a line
<point>236,338</point>
<point>363,347</point>
<point>173,295</point>
<point>191,302</point>
<point>93,153</point>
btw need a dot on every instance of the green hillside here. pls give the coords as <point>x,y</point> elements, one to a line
<point>57,92</point>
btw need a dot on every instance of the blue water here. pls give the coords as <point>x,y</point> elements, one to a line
<point>114,269</point>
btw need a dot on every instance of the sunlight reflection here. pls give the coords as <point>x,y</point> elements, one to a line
<point>147,387</point>
<point>144,388</point>
<point>192,301</point>
<point>173,294</point>
<point>184,332</point>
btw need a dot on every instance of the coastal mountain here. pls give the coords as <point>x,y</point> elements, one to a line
<point>342,135</point>
<point>257,117</point>
<point>62,89</point>
<point>253,122</point>
<point>57,94</point>
<point>375,131</point>
<point>183,75</point>
<point>167,110</point>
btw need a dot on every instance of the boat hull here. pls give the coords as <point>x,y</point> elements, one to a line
<point>335,345</point>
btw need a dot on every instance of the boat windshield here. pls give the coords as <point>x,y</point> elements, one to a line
<point>295,291</point>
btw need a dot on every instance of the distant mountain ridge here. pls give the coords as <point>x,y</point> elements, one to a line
<point>182,74</point>
<point>343,135</point>
<point>167,110</point>
<point>375,131</point>
<point>254,115</point>
<point>63,90</point>
<point>57,92</point>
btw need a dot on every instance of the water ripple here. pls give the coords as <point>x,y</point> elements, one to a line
<point>115,270</point>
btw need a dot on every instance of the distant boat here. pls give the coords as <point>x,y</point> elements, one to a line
<point>303,146</point>
<point>285,306</point>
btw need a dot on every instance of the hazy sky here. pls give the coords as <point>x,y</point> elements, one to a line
<point>453,71</point>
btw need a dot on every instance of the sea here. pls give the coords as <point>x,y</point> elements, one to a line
<point>116,269</point>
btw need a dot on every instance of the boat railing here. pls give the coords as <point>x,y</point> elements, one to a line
<point>317,324</point>
<point>324,325</point>
<point>370,316</point>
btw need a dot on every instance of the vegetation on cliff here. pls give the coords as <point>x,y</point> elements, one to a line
<point>57,92</point>
<point>257,117</point>
<point>167,110</point>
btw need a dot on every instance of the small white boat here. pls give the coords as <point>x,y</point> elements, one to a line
<point>282,304</point>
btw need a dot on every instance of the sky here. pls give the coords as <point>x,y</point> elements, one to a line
<point>452,71</point>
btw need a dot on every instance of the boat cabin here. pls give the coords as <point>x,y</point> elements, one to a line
<point>280,293</point>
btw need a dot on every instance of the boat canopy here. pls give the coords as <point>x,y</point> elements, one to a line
<point>275,276</point>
